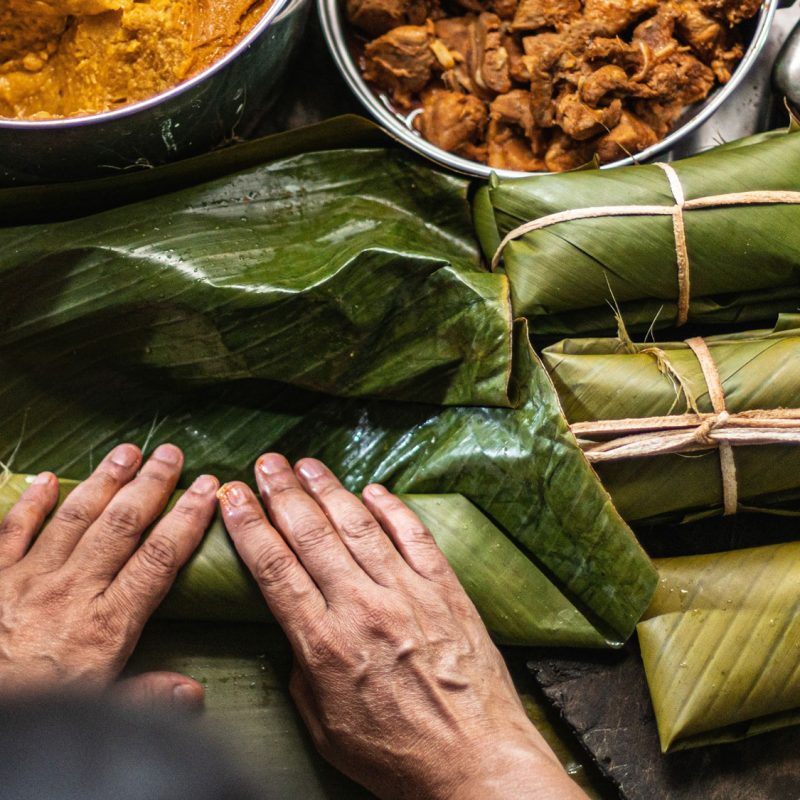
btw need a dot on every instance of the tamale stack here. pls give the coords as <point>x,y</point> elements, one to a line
<point>721,645</point>
<point>665,459</point>
<point>711,239</point>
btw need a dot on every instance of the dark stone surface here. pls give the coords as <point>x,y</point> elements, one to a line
<point>603,698</point>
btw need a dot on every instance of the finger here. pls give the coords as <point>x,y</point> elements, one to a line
<point>84,505</point>
<point>147,577</point>
<point>357,527</point>
<point>162,690</point>
<point>26,518</point>
<point>305,527</point>
<point>111,540</point>
<point>291,594</point>
<point>410,536</point>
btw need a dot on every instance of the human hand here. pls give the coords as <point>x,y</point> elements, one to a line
<point>74,601</point>
<point>395,674</point>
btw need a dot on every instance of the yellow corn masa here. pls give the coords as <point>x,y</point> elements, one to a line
<point>61,58</point>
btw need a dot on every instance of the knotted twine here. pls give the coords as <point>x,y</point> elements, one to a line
<point>676,211</point>
<point>687,433</point>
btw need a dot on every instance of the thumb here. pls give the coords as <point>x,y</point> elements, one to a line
<point>162,690</point>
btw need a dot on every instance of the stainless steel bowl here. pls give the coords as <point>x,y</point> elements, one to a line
<point>335,27</point>
<point>213,107</point>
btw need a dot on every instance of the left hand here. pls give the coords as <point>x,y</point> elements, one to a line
<point>74,601</point>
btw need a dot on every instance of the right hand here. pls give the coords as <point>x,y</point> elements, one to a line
<point>396,677</point>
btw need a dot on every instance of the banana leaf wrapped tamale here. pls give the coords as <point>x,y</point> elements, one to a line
<point>516,600</point>
<point>721,645</point>
<point>613,379</point>
<point>621,235</point>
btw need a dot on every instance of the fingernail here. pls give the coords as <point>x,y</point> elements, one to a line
<point>187,697</point>
<point>311,469</point>
<point>375,490</point>
<point>41,479</point>
<point>232,495</point>
<point>125,455</point>
<point>167,454</point>
<point>271,463</point>
<point>205,484</point>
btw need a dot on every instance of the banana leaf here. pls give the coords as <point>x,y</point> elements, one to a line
<point>245,671</point>
<point>207,317</point>
<point>721,645</point>
<point>565,278</point>
<point>516,600</point>
<point>520,467</point>
<point>608,379</point>
<point>303,270</point>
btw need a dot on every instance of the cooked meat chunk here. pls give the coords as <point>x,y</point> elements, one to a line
<point>681,77</point>
<point>401,62</point>
<point>726,57</point>
<point>631,135</point>
<point>505,9</point>
<point>565,153</point>
<point>732,11</point>
<point>509,150</point>
<point>534,14</point>
<point>660,116</point>
<point>658,32</point>
<point>379,16</point>
<point>542,53</point>
<point>514,108</point>
<point>614,16</point>
<point>516,65</point>
<point>613,80</point>
<point>455,122</point>
<point>491,65</point>
<point>581,121</point>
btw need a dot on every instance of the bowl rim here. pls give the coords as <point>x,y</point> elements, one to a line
<point>336,37</point>
<point>275,8</point>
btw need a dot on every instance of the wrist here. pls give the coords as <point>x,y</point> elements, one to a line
<point>515,770</point>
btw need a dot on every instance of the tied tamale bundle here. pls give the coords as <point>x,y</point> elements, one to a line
<point>646,416</point>
<point>721,645</point>
<point>709,239</point>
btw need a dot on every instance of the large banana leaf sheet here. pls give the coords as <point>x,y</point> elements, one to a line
<point>721,645</point>
<point>344,272</point>
<point>608,379</point>
<point>348,271</point>
<point>565,278</point>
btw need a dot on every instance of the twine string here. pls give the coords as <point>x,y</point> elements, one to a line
<point>623,439</point>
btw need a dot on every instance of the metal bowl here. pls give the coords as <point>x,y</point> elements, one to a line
<point>335,27</point>
<point>214,106</point>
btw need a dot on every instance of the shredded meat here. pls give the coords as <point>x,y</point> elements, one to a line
<point>548,84</point>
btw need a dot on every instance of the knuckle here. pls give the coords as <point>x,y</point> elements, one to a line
<point>159,557</point>
<point>249,522</point>
<point>359,526</point>
<point>272,566</point>
<point>105,625</point>
<point>186,510</point>
<point>124,520</point>
<point>311,531</point>
<point>74,516</point>
<point>11,528</point>
<point>418,534</point>
<point>106,479</point>
<point>322,651</point>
